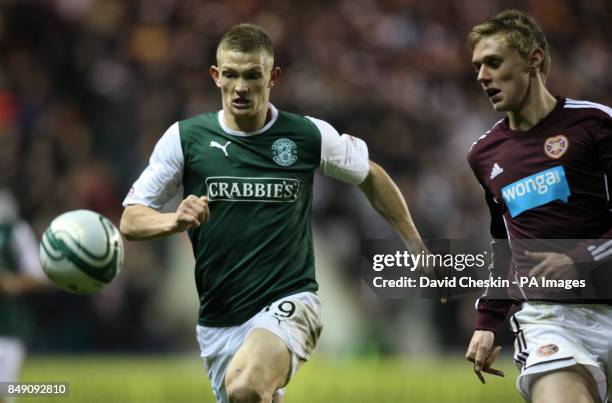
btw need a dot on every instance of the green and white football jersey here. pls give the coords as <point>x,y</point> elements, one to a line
<point>18,256</point>
<point>257,245</point>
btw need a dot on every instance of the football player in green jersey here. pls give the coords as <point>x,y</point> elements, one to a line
<point>20,274</point>
<point>246,174</point>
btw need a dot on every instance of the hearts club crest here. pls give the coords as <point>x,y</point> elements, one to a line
<point>555,147</point>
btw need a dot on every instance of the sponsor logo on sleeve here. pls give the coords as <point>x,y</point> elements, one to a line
<point>556,146</point>
<point>536,190</point>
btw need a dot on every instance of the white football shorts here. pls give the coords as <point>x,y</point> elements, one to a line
<point>296,319</point>
<point>552,336</point>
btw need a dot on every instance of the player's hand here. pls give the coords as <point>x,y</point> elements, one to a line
<point>6,287</point>
<point>191,213</point>
<point>553,266</point>
<point>482,354</point>
<point>427,268</point>
<point>10,286</point>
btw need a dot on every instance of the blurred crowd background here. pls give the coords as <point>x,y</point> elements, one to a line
<point>88,86</point>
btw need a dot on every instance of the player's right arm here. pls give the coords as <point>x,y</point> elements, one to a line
<point>140,222</point>
<point>495,304</point>
<point>159,182</point>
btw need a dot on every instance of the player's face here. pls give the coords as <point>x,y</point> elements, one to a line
<point>245,80</point>
<point>503,74</point>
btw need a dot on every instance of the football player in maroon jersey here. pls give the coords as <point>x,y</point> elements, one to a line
<point>544,169</point>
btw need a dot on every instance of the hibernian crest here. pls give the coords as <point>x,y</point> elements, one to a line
<point>284,152</point>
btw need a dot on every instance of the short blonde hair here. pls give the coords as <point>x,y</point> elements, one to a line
<point>246,37</point>
<point>520,31</point>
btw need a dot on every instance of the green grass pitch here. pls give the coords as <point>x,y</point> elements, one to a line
<point>127,379</point>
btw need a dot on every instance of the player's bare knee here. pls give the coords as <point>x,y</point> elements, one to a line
<point>246,392</point>
<point>248,385</point>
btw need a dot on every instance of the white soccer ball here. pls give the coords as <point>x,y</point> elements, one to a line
<point>81,251</point>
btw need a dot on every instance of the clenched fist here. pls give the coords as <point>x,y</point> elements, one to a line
<point>191,213</point>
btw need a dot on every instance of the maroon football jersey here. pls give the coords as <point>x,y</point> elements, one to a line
<point>545,184</point>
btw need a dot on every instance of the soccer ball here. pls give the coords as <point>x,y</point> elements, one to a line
<point>81,251</point>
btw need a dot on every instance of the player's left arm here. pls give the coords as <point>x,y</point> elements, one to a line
<point>387,200</point>
<point>563,265</point>
<point>346,158</point>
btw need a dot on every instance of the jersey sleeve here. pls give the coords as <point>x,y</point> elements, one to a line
<point>162,178</point>
<point>599,250</point>
<point>343,157</point>
<point>493,306</point>
<point>24,245</point>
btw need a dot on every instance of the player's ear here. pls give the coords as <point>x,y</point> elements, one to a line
<point>214,73</point>
<point>275,76</point>
<point>536,59</point>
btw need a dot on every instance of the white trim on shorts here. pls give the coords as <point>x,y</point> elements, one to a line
<point>550,337</point>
